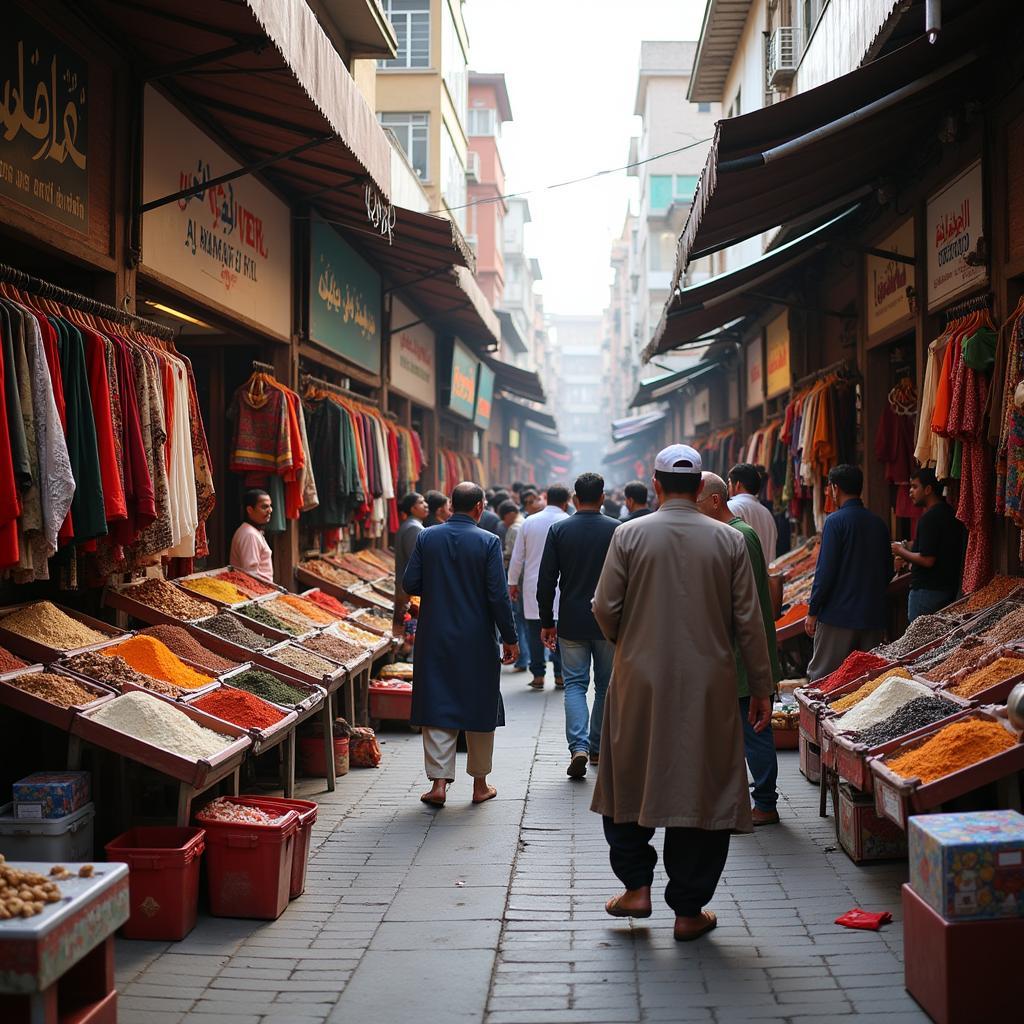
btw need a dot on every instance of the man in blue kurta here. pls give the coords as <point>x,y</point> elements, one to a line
<point>458,573</point>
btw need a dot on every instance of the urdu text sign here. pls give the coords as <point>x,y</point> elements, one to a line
<point>44,123</point>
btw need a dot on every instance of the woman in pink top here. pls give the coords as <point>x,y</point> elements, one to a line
<point>249,548</point>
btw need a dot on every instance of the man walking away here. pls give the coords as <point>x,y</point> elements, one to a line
<point>744,487</point>
<point>489,519</point>
<point>759,747</point>
<point>512,519</point>
<point>675,592</point>
<point>523,572</point>
<point>438,509</point>
<point>570,566</point>
<point>413,507</point>
<point>637,500</point>
<point>936,558</point>
<point>846,611</point>
<point>456,570</point>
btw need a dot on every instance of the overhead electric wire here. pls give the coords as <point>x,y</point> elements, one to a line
<point>575,181</point>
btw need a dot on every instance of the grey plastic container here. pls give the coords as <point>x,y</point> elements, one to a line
<point>53,839</point>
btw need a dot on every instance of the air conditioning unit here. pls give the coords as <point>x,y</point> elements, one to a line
<point>783,56</point>
<point>473,167</point>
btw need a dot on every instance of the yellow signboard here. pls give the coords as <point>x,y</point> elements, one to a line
<point>777,372</point>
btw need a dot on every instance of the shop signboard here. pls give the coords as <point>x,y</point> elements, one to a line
<point>344,298</point>
<point>777,377</point>
<point>887,280</point>
<point>702,406</point>
<point>44,122</point>
<point>755,373</point>
<point>484,396</point>
<point>462,393</point>
<point>229,243</point>
<point>954,225</point>
<point>413,356</point>
<point>513,437</point>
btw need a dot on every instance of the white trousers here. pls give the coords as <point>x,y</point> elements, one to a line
<point>439,753</point>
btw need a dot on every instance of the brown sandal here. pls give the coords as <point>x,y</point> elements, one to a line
<point>687,934</point>
<point>613,908</point>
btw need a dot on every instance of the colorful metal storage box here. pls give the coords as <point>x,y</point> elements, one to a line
<point>50,794</point>
<point>969,866</point>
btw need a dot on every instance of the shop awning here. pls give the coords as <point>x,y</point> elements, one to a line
<point>656,388</point>
<point>510,332</point>
<point>632,426</point>
<point>691,313</point>
<point>624,452</point>
<point>819,150</point>
<point>515,380</point>
<point>527,410</point>
<point>542,422</point>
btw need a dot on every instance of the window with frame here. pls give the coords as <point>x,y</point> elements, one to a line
<point>413,133</point>
<point>482,121</point>
<point>453,179</point>
<point>703,108</point>
<point>411,21</point>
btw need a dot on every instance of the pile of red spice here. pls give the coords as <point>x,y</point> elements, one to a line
<point>854,667</point>
<point>244,582</point>
<point>331,604</point>
<point>795,614</point>
<point>240,708</point>
<point>9,662</point>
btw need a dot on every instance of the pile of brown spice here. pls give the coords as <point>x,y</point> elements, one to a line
<point>1009,628</point>
<point>993,592</point>
<point>169,599</point>
<point>305,661</point>
<point>48,625</point>
<point>996,672</point>
<point>116,672</point>
<point>326,571</point>
<point>334,647</point>
<point>60,690</point>
<point>186,646</point>
<point>966,655</point>
<point>957,746</point>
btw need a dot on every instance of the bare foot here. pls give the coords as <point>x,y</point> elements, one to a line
<point>482,792</point>
<point>435,796</point>
<point>631,903</point>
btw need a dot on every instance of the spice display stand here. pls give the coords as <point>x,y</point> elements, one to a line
<point>43,710</point>
<point>58,967</point>
<point>217,572</point>
<point>33,651</point>
<point>120,599</point>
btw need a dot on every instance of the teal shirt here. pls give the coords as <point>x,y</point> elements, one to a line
<point>764,597</point>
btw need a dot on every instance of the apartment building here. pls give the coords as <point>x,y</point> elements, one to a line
<point>422,97</point>
<point>519,299</point>
<point>622,344</point>
<point>578,388</point>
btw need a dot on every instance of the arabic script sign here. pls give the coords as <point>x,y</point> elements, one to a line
<point>954,225</point>
<point>229,243</point>
<point>44,138</point>
<point>887,280</point>
<point>463,381</point>
<point>413,356</point>
<point>344,298</point>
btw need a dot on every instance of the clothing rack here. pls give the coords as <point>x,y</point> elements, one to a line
<point>47,290</point>
<point>972,305</point>
<point>842,367</point>
<point>267,368</point>
<point>308,380</point>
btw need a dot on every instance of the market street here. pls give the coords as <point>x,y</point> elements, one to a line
<point>494,913</point>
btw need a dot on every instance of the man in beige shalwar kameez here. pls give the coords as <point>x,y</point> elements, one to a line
<point>675,590</point>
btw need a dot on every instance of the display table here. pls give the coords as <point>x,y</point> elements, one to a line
<point>58,967</point>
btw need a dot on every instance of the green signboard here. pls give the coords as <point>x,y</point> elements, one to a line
<point>462,397</point>
<point>44,122</point>
<point>344,298</point>
<point>484,396</point>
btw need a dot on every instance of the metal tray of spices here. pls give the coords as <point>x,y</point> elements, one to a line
<point>364,621</point>
<point>813,705</point>
<point>997,692</point>
<point>269,599</point>
<point>350,608</point>
<point>119,597</point>
<point>338,590</point>
<point>371,653</point>
<point>226,648</point>
<point>184,769</point>
<point>43,710</point>
<point>316,691</point>
<point>897,798</point>
<point>849,757</point>
<point>276,587</point>
<point>368,571</point>
<point>330,681</point>
<point>34,651</point>
<point>371,598</point>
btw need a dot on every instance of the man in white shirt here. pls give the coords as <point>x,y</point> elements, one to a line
<point>744,487</point>
<point>523,572</point>
<point>249,548</point>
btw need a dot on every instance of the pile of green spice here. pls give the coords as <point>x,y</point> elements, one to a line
<point>227,627</point>
<point>258,613</point>
<point>916,715</point>
<point>269,687</point>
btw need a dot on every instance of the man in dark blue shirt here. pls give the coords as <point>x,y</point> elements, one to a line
<point>847,609</point>
<point>573,557</point>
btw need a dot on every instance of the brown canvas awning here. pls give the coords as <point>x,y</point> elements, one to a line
<point>517,381</point>
<point>820,150</point>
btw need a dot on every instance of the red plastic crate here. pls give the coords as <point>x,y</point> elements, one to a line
<point>306,810</point>
<point>392,702</point>
<point>249,867</point>
<point>163,879</point>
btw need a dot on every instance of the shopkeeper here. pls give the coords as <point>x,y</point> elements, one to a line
<point>249,548</point>
<point>936,559</point>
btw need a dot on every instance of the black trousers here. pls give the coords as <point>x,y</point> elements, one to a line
<point>694,861</point>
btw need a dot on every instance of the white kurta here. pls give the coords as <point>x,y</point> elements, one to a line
<point>524,567</point>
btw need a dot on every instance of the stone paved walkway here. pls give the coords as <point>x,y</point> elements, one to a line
<point>494,914</point>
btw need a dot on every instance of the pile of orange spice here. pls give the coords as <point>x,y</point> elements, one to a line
<point>957,746</point>
<point>308,609</point>
<point>149,656</point>
<point>868,688</point>
<point>982,678</point>
<point>795,614</point>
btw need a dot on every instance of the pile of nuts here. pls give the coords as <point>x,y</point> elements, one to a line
<point>24,893</point>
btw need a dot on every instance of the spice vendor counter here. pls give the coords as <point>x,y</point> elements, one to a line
<point>36,651</point>
<point>58,966</point>
<point>58,716</point>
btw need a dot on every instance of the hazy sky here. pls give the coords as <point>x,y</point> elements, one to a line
<point>571,71</point>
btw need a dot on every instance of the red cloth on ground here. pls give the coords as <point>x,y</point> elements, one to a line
<point>865,919</point>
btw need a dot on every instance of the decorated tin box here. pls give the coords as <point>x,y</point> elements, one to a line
<point>50,794</point>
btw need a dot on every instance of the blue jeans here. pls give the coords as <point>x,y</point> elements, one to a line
<point>537,651</point>
<point>583,727</point>
<point>524,640</point>
<point>759,750</point>
<point>926,602</point>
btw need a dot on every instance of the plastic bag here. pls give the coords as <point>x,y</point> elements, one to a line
<point>364,750</point>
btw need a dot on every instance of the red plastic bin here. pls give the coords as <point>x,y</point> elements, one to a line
<point>249,867</point>
<point>163,879</point>
<point>306,810</point>
<point>391,702</point>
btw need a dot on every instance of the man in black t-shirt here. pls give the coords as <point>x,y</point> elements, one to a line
<point>936,559</point>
